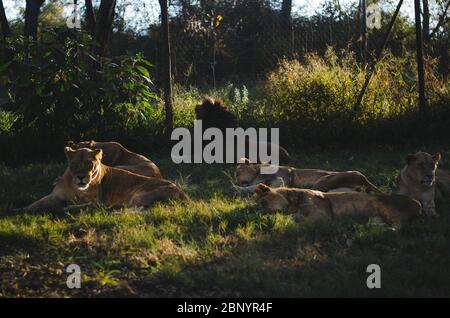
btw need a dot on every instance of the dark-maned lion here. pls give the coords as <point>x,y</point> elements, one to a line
<point>88,181</point>
<point>392,209</point>
<point>248,176</point>
<point>213,113</point>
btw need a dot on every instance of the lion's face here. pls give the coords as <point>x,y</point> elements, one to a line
<point>84,166</point>
<point>422,167</point>
<point>269,199</point>
<point>246,173</point>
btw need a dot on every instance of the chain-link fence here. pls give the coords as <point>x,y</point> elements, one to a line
<point>216,49</point>
<point>237,40</point>
<point>241,40</point>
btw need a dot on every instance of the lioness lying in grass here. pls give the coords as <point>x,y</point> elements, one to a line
<point>422,180</point>
<point>114,155</point>
<point>248,176</point>
<point>88,182</point>
<point>392,209</point>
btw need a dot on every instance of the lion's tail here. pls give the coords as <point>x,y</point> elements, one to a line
<point>369,187</point>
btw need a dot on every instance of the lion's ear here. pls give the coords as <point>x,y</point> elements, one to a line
<point>262,189</point>
<point>244,161</point>
<point>410,158</point>
<point>98,154</point>
<point>437,157</point>
<point>68,150</point>
<point>91,144</point>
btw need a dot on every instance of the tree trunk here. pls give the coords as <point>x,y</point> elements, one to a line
<point>286,10</point>
<point>166,65</point>
<point>6,31</point>
<point>90,17</point>
<point>420,69</point>
<point>426,25</point>
<point>31,17</point>
<point>286,23</point>
<point>105,17</point>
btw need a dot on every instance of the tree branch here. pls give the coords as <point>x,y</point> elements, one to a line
<point>442,20</point>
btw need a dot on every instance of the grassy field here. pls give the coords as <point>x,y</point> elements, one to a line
<point>217,244</point>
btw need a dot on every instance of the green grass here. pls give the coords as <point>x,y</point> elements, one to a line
<point>217,243</point>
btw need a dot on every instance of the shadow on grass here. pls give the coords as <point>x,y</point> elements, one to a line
<point>12,242</point>
<point>325,259</point>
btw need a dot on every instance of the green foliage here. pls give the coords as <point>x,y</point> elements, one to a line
<point>7,120</point>
<point>61,90</point>
<point>315,98</point>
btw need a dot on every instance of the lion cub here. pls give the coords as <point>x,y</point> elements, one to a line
<point>422,180</point>
<point>394,210</point>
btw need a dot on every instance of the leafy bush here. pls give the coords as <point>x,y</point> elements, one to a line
<point>312,101</point>
<point>315,98</point>
<point>59,90</point>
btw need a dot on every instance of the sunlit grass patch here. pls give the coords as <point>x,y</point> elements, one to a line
<point>217,243</point>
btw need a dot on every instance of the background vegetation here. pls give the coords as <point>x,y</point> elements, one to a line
<point>272,67</point>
